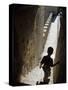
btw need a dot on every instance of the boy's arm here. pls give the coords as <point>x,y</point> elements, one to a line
<point>42,62</point>
<point>40,65</point>
<point>56,63</point>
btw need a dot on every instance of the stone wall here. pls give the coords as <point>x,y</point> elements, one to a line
<point>60,69</point>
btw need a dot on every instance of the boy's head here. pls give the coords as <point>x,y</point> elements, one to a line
<point>50,50</point>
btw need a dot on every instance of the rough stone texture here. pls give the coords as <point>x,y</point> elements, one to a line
<point>60,70</point>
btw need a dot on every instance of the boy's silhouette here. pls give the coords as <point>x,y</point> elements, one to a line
<point>46,64</point>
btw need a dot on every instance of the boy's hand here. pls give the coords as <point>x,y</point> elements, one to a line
<point>40,66</point>
<point>58,62</point>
